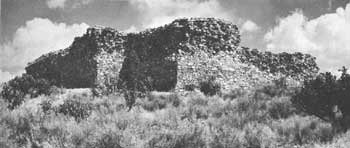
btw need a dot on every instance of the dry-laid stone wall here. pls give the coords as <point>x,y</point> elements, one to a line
<point>230,72</point>
<point>167,58</point>
<point>152,56</point>
<point>296,65</point>
<point>93,60</point>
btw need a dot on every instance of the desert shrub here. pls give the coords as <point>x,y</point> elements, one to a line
<point>209,86</point>
<point>196,107</point>
<point>5,142</point>
<point>252,103</point>
<point>233,94</point>
<point>246,104</point>
<point>109,104</point>
<point>278,88</point>
<point>22,131</point>
<point>75,108</point>
<point>46,106</point>
<point>224,137</point>
<point>197,112</point>
<point>54,90</point>
<point>18,88</point>
<point>130,97</point>
<point>218,107</point>
<point>160,100</point>
<point>258,136</point>
<point>299,130</point>
<point>244,110</point>
<point>341,141</point>
<point>188,139</point>
<point>327,98</point>
<point>20,125</point>
<point>190,87</point>
<point>280,107</point>
<point>324,132</point>
<point>108,140</point>
<point>197,99</point>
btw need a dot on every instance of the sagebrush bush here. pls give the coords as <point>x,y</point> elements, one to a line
<point>303,130</point>
<point>218,107</point>
<point>197,99</point>
<point>209,86</point>
<point>341,141</point>
<point>280,107</point>
<point>109,104</point>
<point>20,125</point>
<point>130,98</point>
<point>197,107</point>
<point>160,100</point>
<point>189,139</point>
<point>233,94</point>
<point>243,111</point>
<point>75,108</point>
<point>224,137</point>
<point>258,136</point>
<point>109,140</point>
<point>190,87</point>
<point>278,88</point>
<point>46,106</point>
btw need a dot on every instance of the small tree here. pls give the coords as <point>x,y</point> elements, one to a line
<point>327,98</point>
<point>343,96</point>
<point>317,96</point>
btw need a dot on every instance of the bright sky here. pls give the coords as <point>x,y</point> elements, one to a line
<point>31,28</point>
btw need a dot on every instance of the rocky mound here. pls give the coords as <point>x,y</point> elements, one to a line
<point>167,58</point>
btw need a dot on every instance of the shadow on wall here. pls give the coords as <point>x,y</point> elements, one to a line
<point>147,74</point>
<point>72,67</point>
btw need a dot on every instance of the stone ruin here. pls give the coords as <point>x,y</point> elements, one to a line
<point>92,61</point>
<point>166,59</point>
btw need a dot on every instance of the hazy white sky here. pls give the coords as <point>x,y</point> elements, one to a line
<point>33,27</point>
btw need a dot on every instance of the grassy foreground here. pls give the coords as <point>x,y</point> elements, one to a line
<point>260,118</point>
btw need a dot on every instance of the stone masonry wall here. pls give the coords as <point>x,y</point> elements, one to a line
<point>188,50</point>
<point>228,71</point>
<point>86,63</point>
<point>109,59</point>
<point>152,56</point>
<point>297,65</point>
<point>167,58</point>
<point>73,67</point>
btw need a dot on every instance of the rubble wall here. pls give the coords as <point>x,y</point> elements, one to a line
<point>189,50</point>
<point>297,65</point>
<point>152,56</point>
<point>86,63</point>
<point>73,67</point>
<point>109,59</point>
<point>229,72</point>
<point>234,69</point>
<point>167,58</point>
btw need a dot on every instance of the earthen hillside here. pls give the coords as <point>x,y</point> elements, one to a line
<point>167,58</point>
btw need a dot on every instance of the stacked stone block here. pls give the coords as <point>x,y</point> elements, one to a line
<point>167,59</point>
<point>92,61</point>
